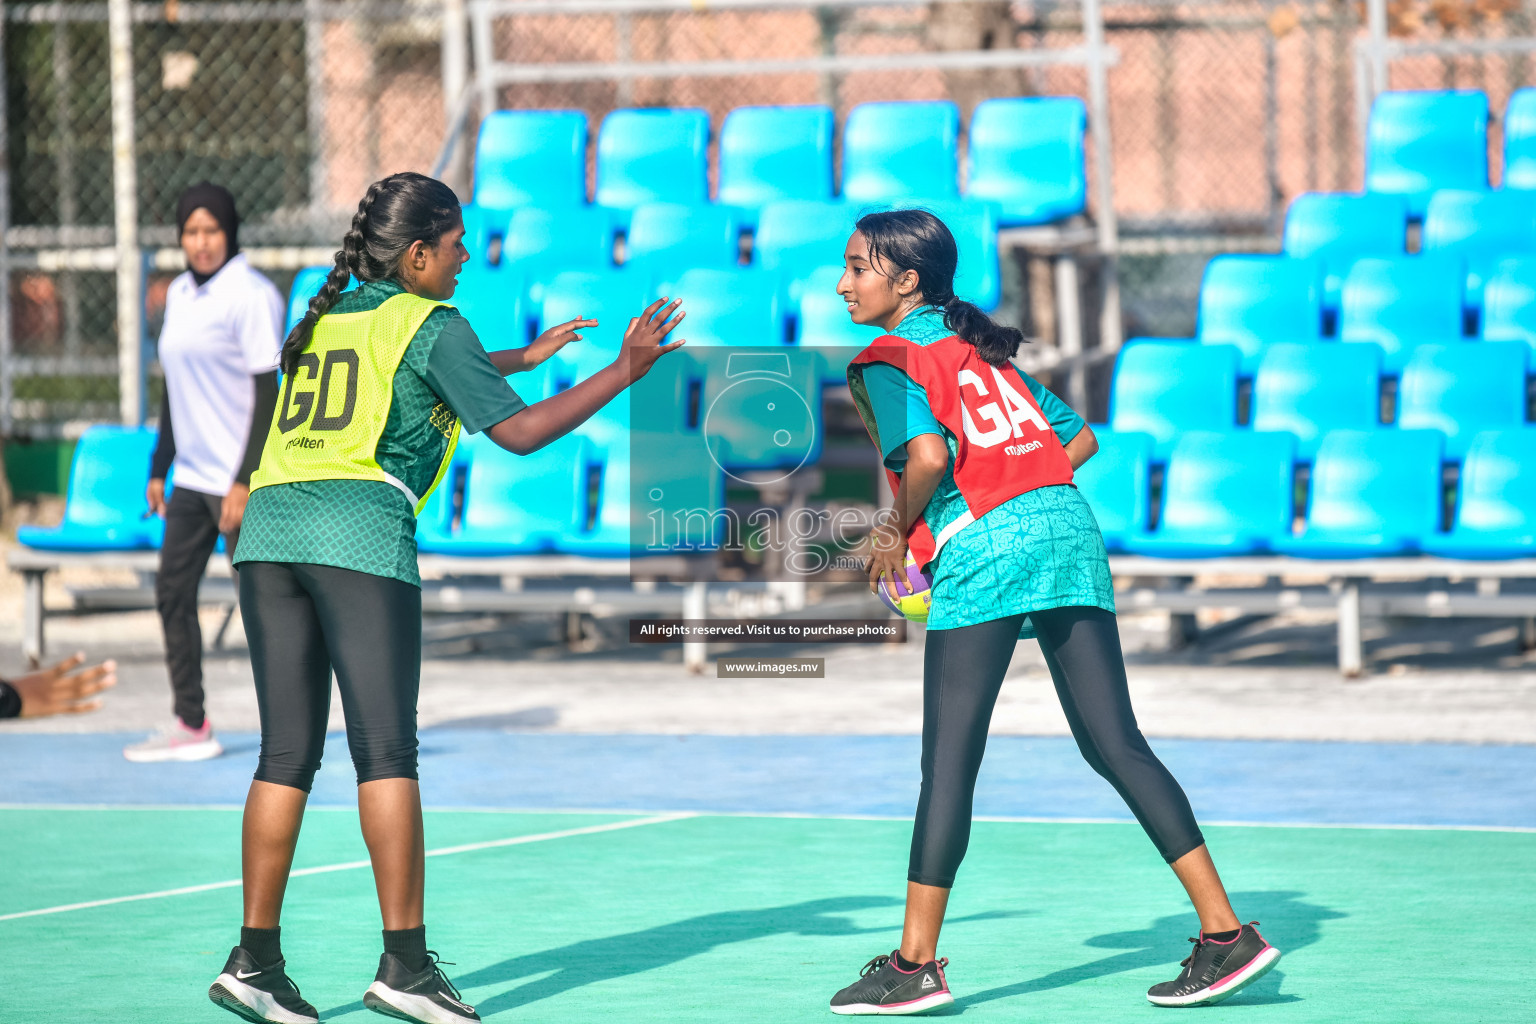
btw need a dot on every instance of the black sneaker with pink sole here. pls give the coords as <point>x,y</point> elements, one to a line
<point>885,989</point>
<point>1217,970</point>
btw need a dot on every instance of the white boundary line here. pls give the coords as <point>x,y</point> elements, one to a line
<point>353,865</point>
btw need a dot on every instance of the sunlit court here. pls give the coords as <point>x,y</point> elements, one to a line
<point>767,510</point>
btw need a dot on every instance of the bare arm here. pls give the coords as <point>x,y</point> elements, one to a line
<point>532,428</point>
<point>517,360</point>
<point>1082,447</point>
<point>927,460</point>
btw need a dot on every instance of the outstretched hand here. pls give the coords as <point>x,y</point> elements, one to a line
<point>553,340</point>
<point>643,340</point>
<point>64,688</point>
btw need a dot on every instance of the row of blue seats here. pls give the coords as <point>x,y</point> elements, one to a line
<point>1420,141</point>
<point>1164,388</point>
<point>1482,229</point>
<point>793,237</point>
<point>1372,493</point>
<point>1025,154</point>
<point>1397,305</point>
<point>572,496</point>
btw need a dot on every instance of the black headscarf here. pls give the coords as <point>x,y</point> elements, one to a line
<point>218,201</point>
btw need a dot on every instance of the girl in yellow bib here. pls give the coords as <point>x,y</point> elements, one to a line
<point>378,381</point>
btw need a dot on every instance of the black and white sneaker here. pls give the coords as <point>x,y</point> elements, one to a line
<point>884,988</point>
<point>425,996</point>
<point>1216,970</point>
<point>265,995</point>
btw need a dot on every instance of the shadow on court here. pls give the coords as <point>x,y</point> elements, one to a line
<point>615,956</point>
<point>1289,921</point>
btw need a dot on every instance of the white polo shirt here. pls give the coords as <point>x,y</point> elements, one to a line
<point>216,337</point>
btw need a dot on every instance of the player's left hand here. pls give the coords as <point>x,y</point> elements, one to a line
<point>232,510</point>
<point>64,688</point>
<point>889,549</point>
<point>553,340</point>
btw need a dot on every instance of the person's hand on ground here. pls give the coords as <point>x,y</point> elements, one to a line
<point>154,494</point>
<point>64,688</point>
<point>232,510</point>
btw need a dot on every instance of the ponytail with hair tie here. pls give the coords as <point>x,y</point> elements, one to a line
<point>916,240</point>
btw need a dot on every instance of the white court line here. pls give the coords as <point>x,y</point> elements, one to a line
<point>353,865</point>
<point>805,815</point>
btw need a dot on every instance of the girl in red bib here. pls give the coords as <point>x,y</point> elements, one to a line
<point>980,458</point>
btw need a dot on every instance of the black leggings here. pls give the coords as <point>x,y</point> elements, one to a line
<point>962,672</point>
<point>302,621</point>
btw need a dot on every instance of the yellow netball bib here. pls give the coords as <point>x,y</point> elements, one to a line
<point>335,403</point>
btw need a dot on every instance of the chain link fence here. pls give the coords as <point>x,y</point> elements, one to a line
<point>1221,111</point>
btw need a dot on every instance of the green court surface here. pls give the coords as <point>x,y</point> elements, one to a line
<point>717,918</point>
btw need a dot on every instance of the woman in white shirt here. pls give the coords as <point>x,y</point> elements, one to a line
<point>219,349</point>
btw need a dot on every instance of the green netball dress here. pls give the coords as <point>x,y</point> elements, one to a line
<point>1039,550</point>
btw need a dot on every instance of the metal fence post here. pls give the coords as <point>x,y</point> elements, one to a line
<point>1110,327</point>
<point>314,108</point>
<point>455,82</point>
<point>125,208</point>
<point>6,381</point>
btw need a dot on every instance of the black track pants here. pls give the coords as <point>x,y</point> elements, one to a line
<point>962,672</point>
<point>304,620</point>
<point>191,532</point>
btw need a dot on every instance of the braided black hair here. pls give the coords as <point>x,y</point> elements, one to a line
<point>916,240</point>
<point>393,213</point>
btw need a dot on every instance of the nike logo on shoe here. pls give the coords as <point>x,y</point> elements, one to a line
<point>928,981</point>
<point>242,975</point>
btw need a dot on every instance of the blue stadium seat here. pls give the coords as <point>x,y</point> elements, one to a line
<point>1496,511</point>
<point>796,236</point>
<point>544,240</point>
<point>1339,228</point>
<point>492,299</point>
<point>1520,140</point>
<point>1481,228</point>
<point>105,508</point>
<point>1310,389</point>
<point>435,523</point>
<point>1164,388</point>
<point>1417,142</point>
<point>531,158</point>
<point>769,154</point>
<point>761,409</point>
<point>1026,155</point>
<point>306,285</point>
<point>1509,303</point>
<point>900,150</point>
<point>737,308</point>
<point>483,227</point>
<point>517,504</point>
<point>1462,388</point>
<point>1247,301</point>
<point>1399,304</point>
<point>668,238</point>
<point>1117,484</point>
<point>821,316</point>
<point>1373,492</point>
<point>978,275</point>
<point>656,494</point>
<point>652,156</point>
<point>1224,493</point>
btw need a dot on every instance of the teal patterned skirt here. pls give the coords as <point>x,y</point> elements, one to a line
<point>1039,550</point>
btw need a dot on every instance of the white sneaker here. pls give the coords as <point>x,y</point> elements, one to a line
<point>177,742</point>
